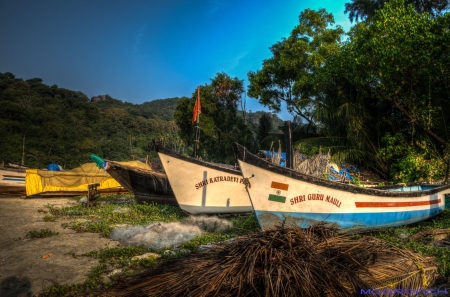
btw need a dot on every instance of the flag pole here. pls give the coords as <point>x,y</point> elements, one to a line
<point>197,119</point>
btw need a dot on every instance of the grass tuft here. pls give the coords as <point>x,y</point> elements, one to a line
<point>41,233</point>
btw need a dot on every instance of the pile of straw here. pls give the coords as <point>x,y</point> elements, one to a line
<point>286,262</point>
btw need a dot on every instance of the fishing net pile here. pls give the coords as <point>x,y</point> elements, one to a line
<point>316,165</point>
<point>286,262</point>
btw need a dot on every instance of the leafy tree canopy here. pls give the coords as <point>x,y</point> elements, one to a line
<point>65,126</point>
<point>364,10</point>
<point>286,77</point>
<point>219,123</point>
<point>390,77</point>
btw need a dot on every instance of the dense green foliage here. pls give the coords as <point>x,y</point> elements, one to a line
<point>395,73</point>
<point>63,126</point>
<point>365,9</point>
<point>220,124</point>
<point>380,97</point>
<point>287,76</point>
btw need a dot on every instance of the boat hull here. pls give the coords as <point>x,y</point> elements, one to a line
<point>146,185</point>
<point>205,188</point>
<point>281,195</point>
<point>12,181</point>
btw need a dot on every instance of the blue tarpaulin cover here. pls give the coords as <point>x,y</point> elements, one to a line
<point>54,167</point>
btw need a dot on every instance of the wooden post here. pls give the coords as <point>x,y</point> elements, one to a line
<point>446,173</point>
<point>288,140</point>
<point>23,151</point>
<point>93,194</point>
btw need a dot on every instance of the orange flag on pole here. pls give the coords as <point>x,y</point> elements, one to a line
<point>197,107</point>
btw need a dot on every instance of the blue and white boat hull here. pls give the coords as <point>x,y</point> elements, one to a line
<point>280,195</point>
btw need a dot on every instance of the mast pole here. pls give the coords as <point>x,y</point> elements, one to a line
<point>197,121</point>
<point>288,139</point>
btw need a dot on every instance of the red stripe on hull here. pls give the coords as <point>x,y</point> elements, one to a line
<point>396,204</point>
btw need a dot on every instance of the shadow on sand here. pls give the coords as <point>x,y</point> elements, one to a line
<point>15,287</point>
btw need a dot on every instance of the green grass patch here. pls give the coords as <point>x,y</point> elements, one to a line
<point>196,242</point>
<point>41,233</point>
<point>57,290</point>
<point>49,218</point>
<point>244,224</point>
<point>102,217</point>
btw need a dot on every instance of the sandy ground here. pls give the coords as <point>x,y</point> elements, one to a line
<point>23,269</point>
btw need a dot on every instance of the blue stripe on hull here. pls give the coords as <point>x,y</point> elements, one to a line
<point>14,179</point>
<point>360,221</point>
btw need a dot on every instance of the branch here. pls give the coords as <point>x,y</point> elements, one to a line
<point>413,119</point>
<point>300,113</point>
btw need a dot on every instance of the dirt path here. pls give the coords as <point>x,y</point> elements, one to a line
<point>23,270</point>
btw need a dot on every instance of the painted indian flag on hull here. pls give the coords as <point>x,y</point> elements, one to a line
<point>279,192</point>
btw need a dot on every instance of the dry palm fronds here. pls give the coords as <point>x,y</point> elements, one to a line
<point>285,262</point>
<point>430,232</point>
<point>276,158</point>
<point>402,270</point>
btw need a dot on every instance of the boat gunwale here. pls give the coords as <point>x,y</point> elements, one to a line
<point>122,173</point>
<point>116,166</point>
<point>242,154</point>
<point>15,170</point>
<point>196,161</point>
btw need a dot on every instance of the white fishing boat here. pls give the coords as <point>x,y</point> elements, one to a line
<point>12,181</point>
<point>281,195</point>
<point>202,187</point>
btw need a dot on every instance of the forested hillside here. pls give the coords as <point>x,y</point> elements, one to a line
<point>157,109</point>
<point>54,124</point>
<point>64,126</point>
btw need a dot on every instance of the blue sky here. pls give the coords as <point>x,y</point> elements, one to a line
<point>138,51</point>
